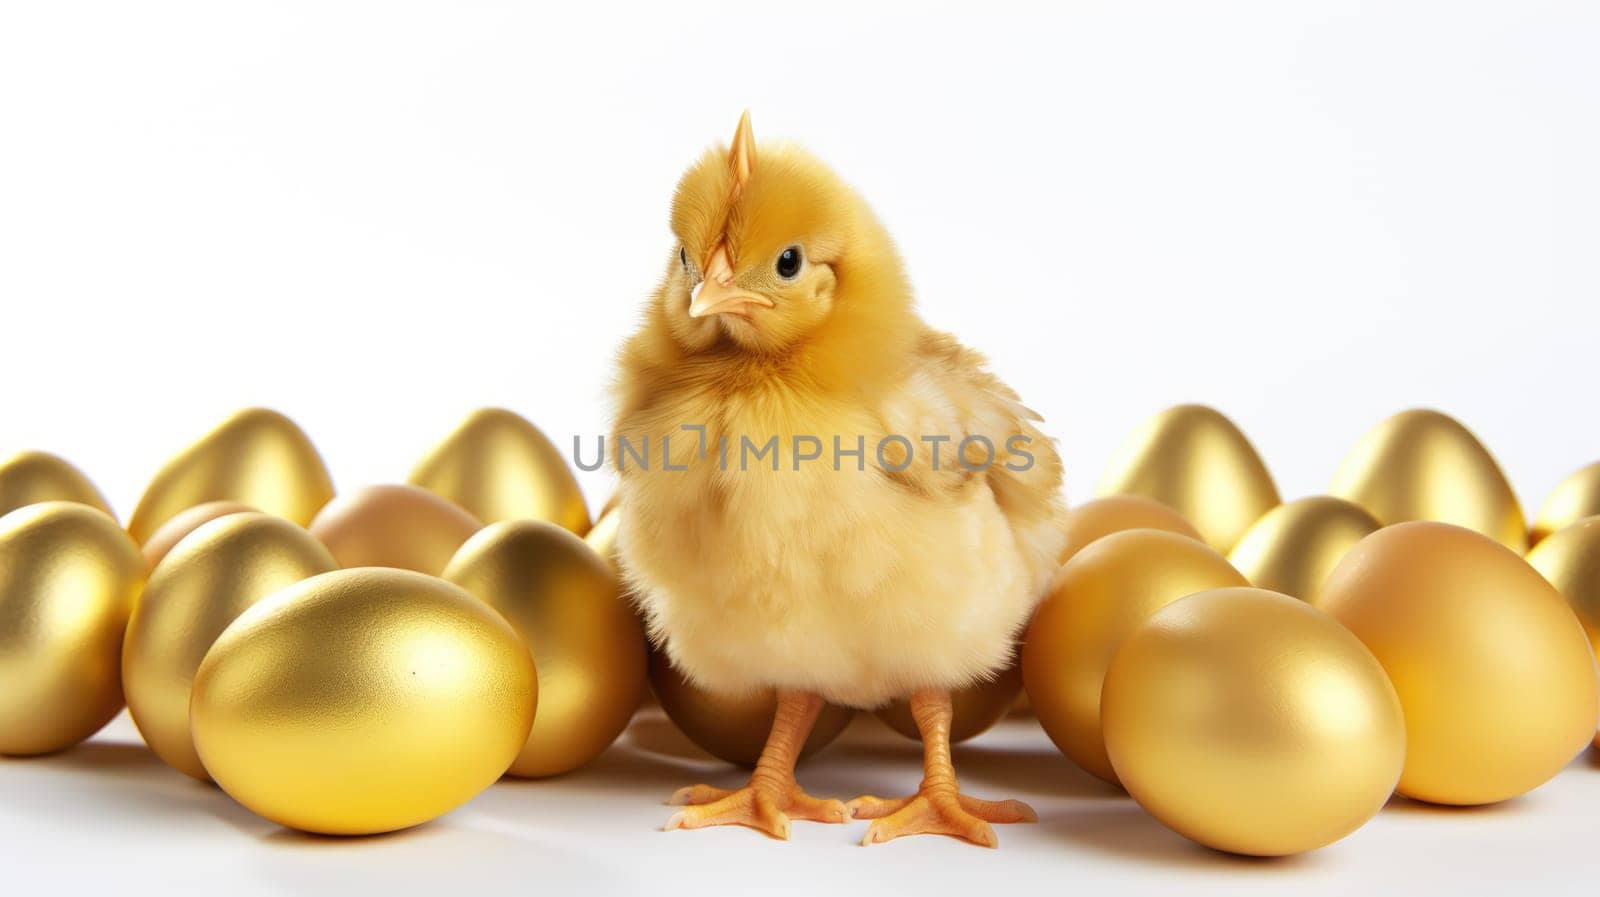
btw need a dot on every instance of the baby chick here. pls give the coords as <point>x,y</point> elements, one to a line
<point>820,494</point>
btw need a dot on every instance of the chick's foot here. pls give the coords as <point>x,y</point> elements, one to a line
<point>938,807</point>
<point>772,797</point>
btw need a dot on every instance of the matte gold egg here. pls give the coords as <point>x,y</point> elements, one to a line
<point>1577,497</point>
<point>28,478</point>
<point>1251,722</point>
<point>587,644</point>
<point>499,466</point>
<point>69,578</point>
<point>362,701</point>
<point>1423,465</point>
<point>1100,596</point>
<point>257,457</point>
<point>1115,513</point>
<point>1194,460</point>
<point>211,577</point>
<point>602,537</point>
<point>976,707</point>
<point>1296,545</point>
<point>732,727</point>
<point>185,522</point>
<point>1570,559</point>
<point>394,526</point>
<point>1493,670</point>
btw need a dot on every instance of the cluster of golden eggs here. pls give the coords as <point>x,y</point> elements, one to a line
<point>346,664</point>
<point>1208,647</point>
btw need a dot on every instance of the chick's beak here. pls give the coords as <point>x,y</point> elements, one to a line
<point>717,294</point>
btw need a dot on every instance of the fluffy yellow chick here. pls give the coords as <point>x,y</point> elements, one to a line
<point>820,493</point>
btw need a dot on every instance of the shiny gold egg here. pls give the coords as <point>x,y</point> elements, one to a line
<point>499,467</point>
<point>586,642</point>
<point>28,478</point>
<point>1296,545</point>
<point>211,577</point>
<point>1493,670</point>
<point>1115,513</point>
<point>732,727</point>
<point>1252,722</point>
<point>1100,596</point>
<point>185,522</point>
<point>602,537</point>
<point>362,701</point>
<point>1194,460</point>
<point>394,526</point>
<point>69,578</point>
<point>1577,497</point>
<point>976,707</point>
<point>257,457</point>
<point>1570,559</point>
<point>1423,465</point>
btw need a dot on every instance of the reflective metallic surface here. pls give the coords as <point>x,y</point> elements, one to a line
<point>28,478</point>
<point>498,467</point>
<point>393,526</point>
<point>1296,545</point>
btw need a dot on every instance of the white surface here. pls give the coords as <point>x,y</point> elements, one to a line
<point>375,217</point>
<point>109,818</point>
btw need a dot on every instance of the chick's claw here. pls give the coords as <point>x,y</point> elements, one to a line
<point>938,813</point>
<point>764,807</point>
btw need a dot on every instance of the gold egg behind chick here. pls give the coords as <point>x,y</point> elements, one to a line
<point>394,526</point>
<point>732,727</point>
<point>589,649</point>
<point>1424,465</point>
<point>1493,670</point>
<point>208,579</point>
<point>1296,545</point>
<point>498,466</point>
<point>1570,559</point>
<point>257,457</point>
<point>1100,596</point>
<point>1577,497</point>
<point>28,478</point>
<point>1115,513</point>
<point>69,578</point>
<point>1251,722</point>
<point>1196,461</point>
<point>362,701</point>
<point>975,710</point>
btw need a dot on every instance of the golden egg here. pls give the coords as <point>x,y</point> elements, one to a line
<point>362,701</point>
<point>28,478</point>
<point>732,727</point>
<point>586,642</point>
<point>501,467</point>
<point>1252,722</point>
<point>976,707</point>
<point>1296,545</point>
<point>1570,559</point>
<point>69,578</point>
<point>1194,460</point>
<point>1493,670</point>
<point>1577,497</point>
<point>1423,465</point>
<point>185,522</point>
<point>394,526</point>
<point>211,577</point>
<point>257,457</point>
<point>1100,596</point>
<point>602,537</point>
<point>1115,513</point>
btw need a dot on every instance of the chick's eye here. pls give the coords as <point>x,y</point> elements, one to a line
<point>789,263</point>
<point>683,257</point>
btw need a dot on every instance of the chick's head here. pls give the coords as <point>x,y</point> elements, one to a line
<point>773,251</point>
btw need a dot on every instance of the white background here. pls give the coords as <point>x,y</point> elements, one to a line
<point>375,217</point>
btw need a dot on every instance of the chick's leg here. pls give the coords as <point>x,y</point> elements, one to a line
<point>938,807</point>
<point>773,796</point>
